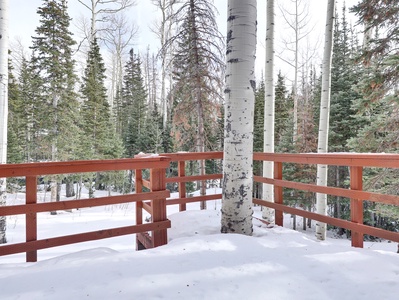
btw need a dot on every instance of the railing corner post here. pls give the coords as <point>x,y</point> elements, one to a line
<point>158,179</point>
<point>31,218</point>
<point>356,205</point>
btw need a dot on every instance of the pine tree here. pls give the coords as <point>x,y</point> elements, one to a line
<point>377,107</point>
<point>29,94</point>
<point>283,109</point>
<point>57,107</point>
<point>96,114</point>
<point>16,122</point>
<point>197,75</point>
<point>134,106</point>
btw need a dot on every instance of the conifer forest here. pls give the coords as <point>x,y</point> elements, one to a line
<point>94,95</point>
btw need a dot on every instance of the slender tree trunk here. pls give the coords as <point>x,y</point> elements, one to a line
<point>268,133</point>
<point>239,113</point>
<point>3,108</point>
<point>321,199</point>
<point>295,85</point>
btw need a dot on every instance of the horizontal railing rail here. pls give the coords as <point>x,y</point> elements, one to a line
<point>32,171</point>
<point>154,202</point>
<point>356,163</point>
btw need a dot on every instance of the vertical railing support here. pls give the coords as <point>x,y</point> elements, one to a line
<point>278,192</point>
<point>181,169</point>
<point>356,183</point>
<point>31,218</point>
<point>157,178</point>
<point>139,206</point>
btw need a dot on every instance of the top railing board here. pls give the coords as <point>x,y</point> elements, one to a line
<point>66,167</point>
<point>336,159</point>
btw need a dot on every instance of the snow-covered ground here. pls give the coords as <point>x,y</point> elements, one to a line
<point>198,263</point>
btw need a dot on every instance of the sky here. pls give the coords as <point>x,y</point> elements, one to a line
<point>275,263</point>
<point>24,20</point>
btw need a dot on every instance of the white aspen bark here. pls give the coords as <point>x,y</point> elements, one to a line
<point>295,85</point>
<point>3,107</point>
<point>321,199</point>
<point>239,114</point>
<point>268,132</point>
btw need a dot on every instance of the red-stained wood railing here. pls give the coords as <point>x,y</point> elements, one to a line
<point>356,163</point>
<point>154,202</point>
<point>182,179</point>
<point>158,226</point>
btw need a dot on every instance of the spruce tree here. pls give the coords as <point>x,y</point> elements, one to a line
<point>57,107</point>
<point>95,111</point>
<point>100,140</point>
<point>197,75</point>
<point>133,106</point>
<point>16,121</point>
<point>377,106</point>
<point>283,109</point>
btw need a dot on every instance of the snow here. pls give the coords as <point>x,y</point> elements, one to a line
<point>198,262</point>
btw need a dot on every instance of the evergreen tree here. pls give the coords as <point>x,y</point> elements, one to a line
<point>16,128</point>
<point>283,109</point>
<point>96,114</point>
<point>377,106</point>
<point>197,76</point>
<point>133,106</point>
<point>57,107</point>
<point>343,78</point>
<point>100,140</point>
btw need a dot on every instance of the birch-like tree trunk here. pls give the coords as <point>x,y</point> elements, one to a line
<point>239,114</point>
<point>3,107</point>
<point>268,133</point>
<point>321,199</point>
<point>163,30</point>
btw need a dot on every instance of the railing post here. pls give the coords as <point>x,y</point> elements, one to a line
<point>157,177</point>
<point>356,205</point>
<point>31,219</point>
<point>181,169</point>
<point>278,193</point>
<point>139,205</point>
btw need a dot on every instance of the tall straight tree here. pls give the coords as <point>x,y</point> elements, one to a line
<point>197,69</point>
<point>133,107</point>
<point>96,113</point>
<point>322,147</point>
<point>268,140</point>
<point>238,129</point>
<point>3,106</point>
<point>58,107</point>
<point>163,30</point>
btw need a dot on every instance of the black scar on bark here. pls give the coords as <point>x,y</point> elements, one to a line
<point>233,60</point>
<point>253,84</point>
<point>229,36</point>
<point>227,91</point>
<point>232,17</point>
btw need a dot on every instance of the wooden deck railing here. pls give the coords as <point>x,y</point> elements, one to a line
<point>356,164</point>
<point>154,202</point>
<point>158,226</point>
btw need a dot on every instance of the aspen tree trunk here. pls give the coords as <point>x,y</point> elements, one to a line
<point>268,133</point>
<point>295,85</point>
<point>3,107</point>
<point>321,199</point>
<point>239,114</point>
